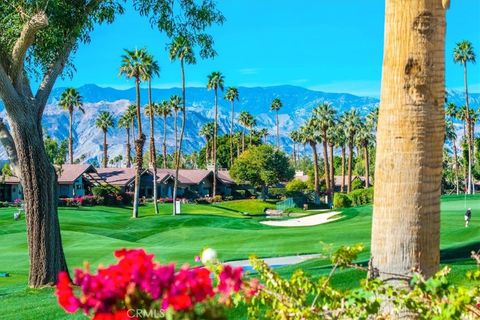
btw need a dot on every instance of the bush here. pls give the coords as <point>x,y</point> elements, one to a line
<point>341,200</point>
<point>296,185</point>
<point>229,198</point>
<point>277,193</point>
<point>357,184</point>
<point>103,191</point>
<point>361,196</point>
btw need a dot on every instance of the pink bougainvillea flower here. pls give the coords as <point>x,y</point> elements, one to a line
<point>64,292</point>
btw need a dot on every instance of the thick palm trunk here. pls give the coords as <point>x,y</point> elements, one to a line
<point>39,182</point>
<point>215,146</point>
<point>231,134</point>
<point>469,131</point>
<point>105,149</point>
<point>164,142</point>
<point>70,137</point>
<point>153,151</point>
<point>367,167</point>
<point>315,171</point>
<point>343,169</point>
<point>350,165</point>
<point>182,130</point>
<point>455,159</point>
<point>411,126</point>
<point>139,143</point>
<point>325,163</point>
<point>129,149</point>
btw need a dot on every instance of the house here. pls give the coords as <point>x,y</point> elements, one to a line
<point>10,189</point>
<point>76,180</point>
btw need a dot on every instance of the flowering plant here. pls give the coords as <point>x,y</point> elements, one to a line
<point>137,282</point>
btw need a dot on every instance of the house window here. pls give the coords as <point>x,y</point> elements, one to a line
<point>79,186</point>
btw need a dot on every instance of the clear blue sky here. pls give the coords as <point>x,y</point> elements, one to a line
<point>333,46</point>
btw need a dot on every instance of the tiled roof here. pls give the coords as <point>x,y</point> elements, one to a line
<point>68,173</point>
<point>224,177</point>
<point>117,176</point>
<point>10,180</point>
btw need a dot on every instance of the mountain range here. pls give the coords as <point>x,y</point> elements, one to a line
<point>297,102</point>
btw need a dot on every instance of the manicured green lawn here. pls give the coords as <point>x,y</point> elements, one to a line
<point>92,234</point>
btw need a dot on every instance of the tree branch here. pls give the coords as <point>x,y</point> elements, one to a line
<point>27,36</point>
<point>6,140</point>
<point>7,92</point>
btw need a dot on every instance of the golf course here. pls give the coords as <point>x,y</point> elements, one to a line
<point>93,233</point>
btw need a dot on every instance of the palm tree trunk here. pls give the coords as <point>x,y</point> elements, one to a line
<point>315,171</point>
<point>182,130</point>
<point>243,140</point>
<point>165,142</point>
<point>129,151</point>
<point>325,162</point>
<point>343,169</point>
<point>332,169</point>
<point>278,131</point>
<point>206,153</point>
<point>350,164</point>
<point>410,136</point>
<point>231,134</point>
<point>153,151</point>
<point>367,169</point>
<point>295,155</point>
<point>70,137</point>
<point>250,137</point>
<point>455,159</point>
<point>105,151</point>
<point>469,131</point>
<point>139,143</point>
<point>215,146</point>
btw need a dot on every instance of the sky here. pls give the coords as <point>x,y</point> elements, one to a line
<point>333,46</point>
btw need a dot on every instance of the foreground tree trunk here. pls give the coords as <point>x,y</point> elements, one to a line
<point>406,215</point>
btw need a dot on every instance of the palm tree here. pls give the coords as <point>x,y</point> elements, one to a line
<point>463,53</point>
<point>276,106</point>
<point>264,134</point>
<point>296,137</point>
<point>132,111</point>
<point>125,122</point>
<point>244,119</point>
<point>408,165</point>
<point>331,140</point>
<point>341,142</point>
<point>69,100</point>
<point>372,119</point>
<point>309,134</point>
<point>103,122</point>
<point>364,139</point>
<point>176,106</point>
<point>215,82</point>
<point>164,109</point>
<point>325,116</point>
<point>351,123</point>
<point>152,69</point>
<point>180,49</point>
<point>207,131</point>
<point>135,64</point>
<point>250,125</point>
<point>451,135</point>
<point>232,95</point>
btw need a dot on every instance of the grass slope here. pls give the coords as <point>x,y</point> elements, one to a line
<point>92,234</point>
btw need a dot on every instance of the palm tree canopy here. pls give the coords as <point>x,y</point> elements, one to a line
<point>151,67</point>
<point>264,132</point>
<point>134,64</point>
<point>245,118</point>
<point>372,119</point>
<point>276,104</point>
<point>207,130</point>
<point>450,134</point>
<point>151,109</point>
<point>125,121</point>
<point>463,52</point>
<point>176,103</point>
<point>451,110</point>
<point>215,81</point>
<point>164,109</point>
<point>71,99</point>
<point>309,132</point>
<point>351,123</point>
<point>364,136</point>
<point>325,115</point>
<point>251,122</point>
<point>232,94</point>
<point>181,49</point>
<point>105,121</point>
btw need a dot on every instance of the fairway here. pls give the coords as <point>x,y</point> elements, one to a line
<point>93,233</point>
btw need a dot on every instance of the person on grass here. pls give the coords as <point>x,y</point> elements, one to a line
<point>468,217</point>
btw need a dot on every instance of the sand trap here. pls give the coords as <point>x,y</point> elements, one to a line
<point>312,220</point>
<point>277,261</point>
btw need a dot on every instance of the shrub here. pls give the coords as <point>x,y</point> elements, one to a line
<point>361,196</point>
<point>103,191</point>
<point>4,204</point>
<point>229,198</point>
<point>240,194</point>
<point>296,185</point>
<point>277,193</point>
<point>357,184</point>
<point>341,200</point>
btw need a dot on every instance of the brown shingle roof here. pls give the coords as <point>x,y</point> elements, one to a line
<point>224,177</point>
<point>68,173</point>
<point>10,180</point>
<point>117,176</point>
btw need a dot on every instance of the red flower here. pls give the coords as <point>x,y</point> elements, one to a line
<point>65,295</point>
<point>230,280</point>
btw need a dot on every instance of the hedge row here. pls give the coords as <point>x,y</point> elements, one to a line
<point>355,198</point>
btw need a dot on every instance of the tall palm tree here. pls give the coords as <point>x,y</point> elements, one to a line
<point>296,137</point>
<point>69,100</point>
<point>104,122</point>
<point>164,110</point>
<point>176,106</point>
<point>276,106</point>
<point>125,122</point>
<point>463,53</point>
<point>451,135</point>
<point>244,119</point>
<point>132,111</point>
<point>371,120</point>
<point>331,140</point>
<point>325,116</point>
<point>408,165</point>
<point>135,65</point>
<point>231,95</point>
<point>215,82</point>
<point>341,142</point>
<point>364,139</point>
<point>351,123</point>
<point>207,131</point>
<point>250,125</point>
<point>309,134</point>
<point>152,69</point>
<point>264,134</point>
<point>181,49</point>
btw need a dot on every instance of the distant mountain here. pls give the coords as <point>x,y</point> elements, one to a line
<point>298,103</point>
